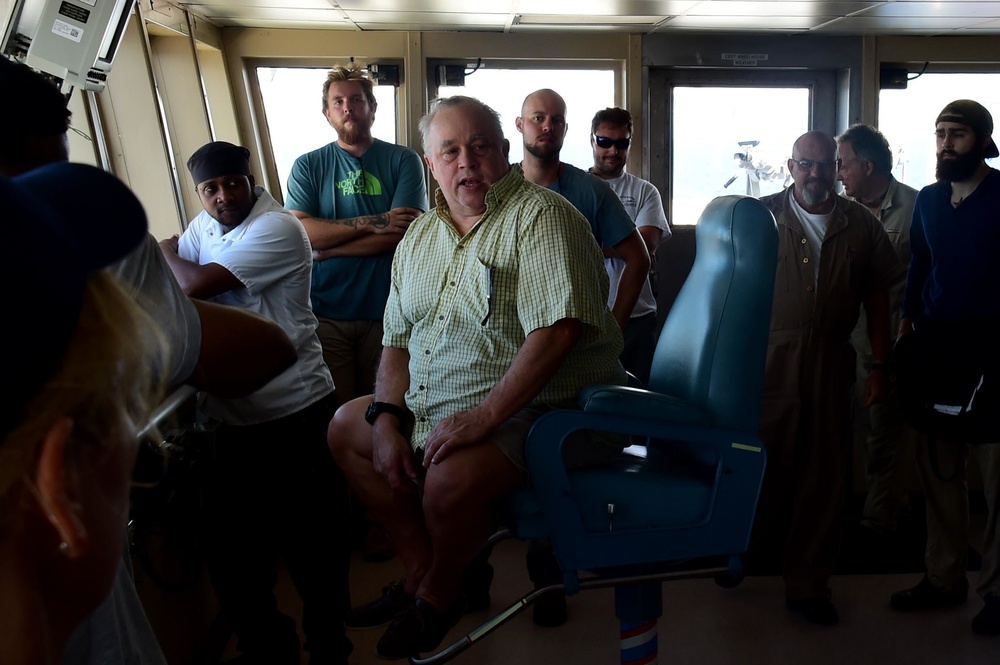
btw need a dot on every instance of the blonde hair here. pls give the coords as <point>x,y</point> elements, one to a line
<point>352,73</point>
<point>108,380</point>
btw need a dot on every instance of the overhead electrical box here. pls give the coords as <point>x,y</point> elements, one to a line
<point>72,40</point>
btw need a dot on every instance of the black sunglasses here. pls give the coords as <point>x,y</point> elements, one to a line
<point>605,142</point>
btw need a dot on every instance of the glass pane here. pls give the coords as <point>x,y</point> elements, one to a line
<point>906,117</point>
<point>293,106</point>
<point>731,140</point>
<point>586,92</point>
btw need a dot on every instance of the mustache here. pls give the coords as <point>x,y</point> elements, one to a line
<point>948,151</point>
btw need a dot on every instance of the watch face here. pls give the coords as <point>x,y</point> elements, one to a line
<point>371,413</point>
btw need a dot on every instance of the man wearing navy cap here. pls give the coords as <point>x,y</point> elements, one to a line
<point>953,294</point>
<point>273,487</point>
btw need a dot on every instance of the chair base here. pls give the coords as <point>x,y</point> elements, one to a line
<point>647,586</point>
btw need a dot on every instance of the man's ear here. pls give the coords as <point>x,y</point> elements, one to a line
<point>869,168</point>
<point>429,163</point>
<point>505,147</point>
<point>57,489</point>
<point>519,123</point>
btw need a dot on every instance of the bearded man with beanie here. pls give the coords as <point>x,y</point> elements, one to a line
<point>953,295</point>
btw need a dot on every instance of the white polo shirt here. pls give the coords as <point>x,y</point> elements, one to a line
<point>270,254</point>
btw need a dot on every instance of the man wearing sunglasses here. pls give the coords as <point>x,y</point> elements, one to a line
<point>610,138</point>
<point>833,257</point>
<point>543,127</point>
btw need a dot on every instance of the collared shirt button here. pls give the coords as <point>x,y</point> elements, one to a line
<point>422,419</point>
<point>427,352</point>
<point>805,260</point>
<point>803,241</point>
<point>452,283</point>
<point>440,318</point>
<point>810,288</point>
<point>420,387</point>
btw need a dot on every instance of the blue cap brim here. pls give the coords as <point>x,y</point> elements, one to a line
<point>60,223</point>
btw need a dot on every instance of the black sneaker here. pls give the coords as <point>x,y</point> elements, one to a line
<point>987,622</point>
<point>417,629</point>
<point>380,611</point>
<point>926,596</point>
<point>819,611</point>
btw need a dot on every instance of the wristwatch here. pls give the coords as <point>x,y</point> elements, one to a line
<point>375,409</point>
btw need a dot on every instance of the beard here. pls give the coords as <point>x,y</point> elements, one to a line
<point>959,168</point>
<point>813,196</point>
<point>610,168</point>
<point>543,151</point>
<point>358,131</point>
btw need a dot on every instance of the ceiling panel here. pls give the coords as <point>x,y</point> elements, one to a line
<point>721,23</point>
<point>935,9</point>
<point>861,25</point>
<point>449,19</point>
<point>581,21</point>
<point>224,5</point>
<point>841,17</point>
<point>444,6</point>
<point>798,8</point>
<point>277,14</point>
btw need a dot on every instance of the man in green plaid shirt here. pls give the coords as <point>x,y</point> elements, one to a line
<point>497,313</point>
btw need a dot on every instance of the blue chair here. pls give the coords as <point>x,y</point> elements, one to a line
<point>687,488</point>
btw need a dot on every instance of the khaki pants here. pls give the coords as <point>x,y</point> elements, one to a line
<point>948,514</point>
<point>351,350</point>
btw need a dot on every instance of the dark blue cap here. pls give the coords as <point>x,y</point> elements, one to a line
<point>60,223</point>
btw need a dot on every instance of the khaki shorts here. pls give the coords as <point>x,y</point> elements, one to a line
<point>584,448</point>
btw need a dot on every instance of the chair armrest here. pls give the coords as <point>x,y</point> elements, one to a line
<point>741,458</point>
<point>630,402</point>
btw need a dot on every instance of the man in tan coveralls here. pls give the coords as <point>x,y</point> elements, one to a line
<point>833,256</point>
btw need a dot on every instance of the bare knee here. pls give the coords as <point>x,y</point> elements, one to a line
<point>348,435</point>
<point>468,483</point>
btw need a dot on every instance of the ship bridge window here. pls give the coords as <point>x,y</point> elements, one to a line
<point>586,92</point>
<point>906,118</point>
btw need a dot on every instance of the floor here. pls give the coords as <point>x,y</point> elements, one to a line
<point>702,624</point>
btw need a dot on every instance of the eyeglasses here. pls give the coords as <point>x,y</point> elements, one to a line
<point>605,142</point>
<point>808,164</point>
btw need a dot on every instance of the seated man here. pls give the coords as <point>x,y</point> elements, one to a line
<point>272,487</point>
<point>497,313</point>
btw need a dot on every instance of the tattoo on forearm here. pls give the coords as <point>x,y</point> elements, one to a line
<point>379,221</point>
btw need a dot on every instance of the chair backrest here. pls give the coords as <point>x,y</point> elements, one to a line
<point>710,351</point>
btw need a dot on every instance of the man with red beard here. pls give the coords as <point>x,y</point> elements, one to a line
<point>833,257</point>
<point>355,197</point>
<point>953,296</point>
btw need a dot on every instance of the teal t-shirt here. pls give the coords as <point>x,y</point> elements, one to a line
<point>593,197</point>
<point>332,184</point>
